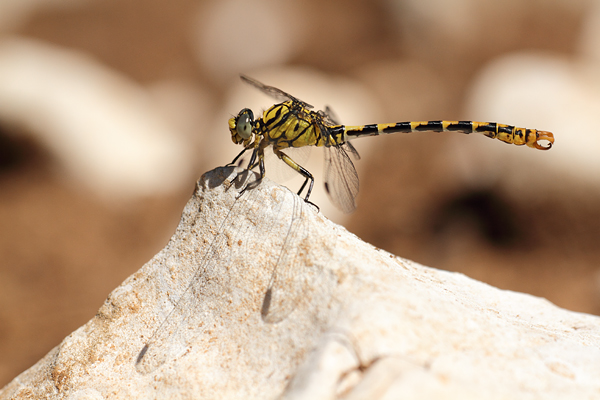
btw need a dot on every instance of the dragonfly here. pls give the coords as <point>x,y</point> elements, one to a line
<point>292,123</point>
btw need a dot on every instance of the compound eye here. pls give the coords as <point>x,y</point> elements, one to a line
<point>244,125</point>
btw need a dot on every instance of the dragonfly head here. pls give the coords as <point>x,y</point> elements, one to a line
<point>242,127</point>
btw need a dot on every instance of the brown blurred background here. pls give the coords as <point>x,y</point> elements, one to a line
<point>110,111</point>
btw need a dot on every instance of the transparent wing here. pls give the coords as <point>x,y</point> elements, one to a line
<point>350,149</point>
<point>329,116</point>
<point>288,281</point>
<point>279,171</point>
<point>341,179</point>
<point>275,93</point>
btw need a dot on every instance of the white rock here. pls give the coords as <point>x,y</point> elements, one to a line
<point>342,318</point>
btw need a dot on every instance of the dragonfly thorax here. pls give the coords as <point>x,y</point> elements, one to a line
<point>289,124</point>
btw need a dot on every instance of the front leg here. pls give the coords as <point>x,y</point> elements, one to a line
<point>257,153</point>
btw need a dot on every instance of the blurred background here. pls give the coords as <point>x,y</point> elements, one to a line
<point>111,110</point>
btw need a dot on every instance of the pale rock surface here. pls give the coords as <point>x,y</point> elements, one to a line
<point>337,318</point>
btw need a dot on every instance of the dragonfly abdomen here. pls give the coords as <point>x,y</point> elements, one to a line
<point>506,133</point>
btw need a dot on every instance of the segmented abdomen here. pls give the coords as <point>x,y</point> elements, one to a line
<point>506,133</point>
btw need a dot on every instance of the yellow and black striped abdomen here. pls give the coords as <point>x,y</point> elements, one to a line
<point>506,133</point>
<point>288,125</point>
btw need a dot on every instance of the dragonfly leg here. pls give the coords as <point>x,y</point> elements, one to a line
<point>257,153</point>
<point>252,162</point>
<point>302,171</point>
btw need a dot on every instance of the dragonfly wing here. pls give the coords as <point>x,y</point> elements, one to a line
<point>275,93</point>
<point>329,116</point>
<point>288,281</point>
<point>279,171</point>
<point>352,150</point>
<point>341,179</point>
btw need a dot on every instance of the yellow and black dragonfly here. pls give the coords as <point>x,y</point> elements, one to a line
<point>293,123</point>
